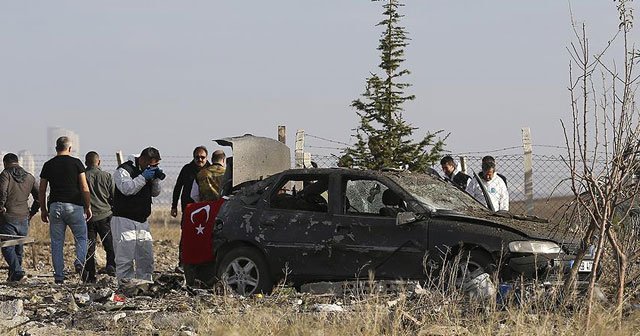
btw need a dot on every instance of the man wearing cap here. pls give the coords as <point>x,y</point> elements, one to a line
<point>136,182</point>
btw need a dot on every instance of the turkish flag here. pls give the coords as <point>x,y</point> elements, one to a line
<point>197,231</point>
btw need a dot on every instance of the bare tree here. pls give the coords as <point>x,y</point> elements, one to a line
<point>602,152</point>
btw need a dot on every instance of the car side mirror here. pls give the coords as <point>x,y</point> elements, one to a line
<point>405,218</point>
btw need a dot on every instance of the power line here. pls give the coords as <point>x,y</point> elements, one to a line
<point>550,146</point>
<point>490,151</point>
<point>325,139</point>
<point>323,147</point>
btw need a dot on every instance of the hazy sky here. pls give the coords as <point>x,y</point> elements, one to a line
<point>175,74</point>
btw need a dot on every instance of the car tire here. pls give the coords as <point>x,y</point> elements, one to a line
<point>473,270</point>
<point>245,271</point>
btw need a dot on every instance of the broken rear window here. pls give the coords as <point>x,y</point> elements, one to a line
<point>301,192</point>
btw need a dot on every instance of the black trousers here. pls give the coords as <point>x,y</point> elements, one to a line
<point>103,229</point>
<point>184,206</point>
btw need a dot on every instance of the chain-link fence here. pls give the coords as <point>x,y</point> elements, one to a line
<point>551,180</point>
<point>551,184</point>
<point>171,166</point>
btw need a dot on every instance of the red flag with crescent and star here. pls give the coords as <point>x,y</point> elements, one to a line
<point>197,231</point>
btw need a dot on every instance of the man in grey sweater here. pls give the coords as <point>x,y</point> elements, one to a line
<point>101,188</point>
<point>15,186</point>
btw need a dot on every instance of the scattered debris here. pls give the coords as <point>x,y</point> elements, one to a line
<point>82,298</point>
<point>119,316</point>
<point>326,308</point>
<point>345,288</point>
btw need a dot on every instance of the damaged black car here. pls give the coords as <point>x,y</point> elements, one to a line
<point>335,224</point>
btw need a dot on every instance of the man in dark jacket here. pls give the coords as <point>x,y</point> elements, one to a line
<point>15,186</point>
<point>207,187</point>
<point>101,187</point>
<point>182,189</point>
<point>453,174</point>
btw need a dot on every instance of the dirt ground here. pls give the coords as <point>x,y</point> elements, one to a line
<point>38,306</point>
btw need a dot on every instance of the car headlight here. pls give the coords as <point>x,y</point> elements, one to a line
<point>536,247</point>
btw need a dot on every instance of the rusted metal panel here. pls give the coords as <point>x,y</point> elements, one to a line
<point>255,158</point>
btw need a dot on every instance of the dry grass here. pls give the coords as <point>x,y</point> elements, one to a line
<point>436,312</point>
<point>428,314</point>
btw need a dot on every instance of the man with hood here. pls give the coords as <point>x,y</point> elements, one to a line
<point>15,186</point>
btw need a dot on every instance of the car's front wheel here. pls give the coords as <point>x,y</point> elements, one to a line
<point>245,271</point>
<point>473,273</point>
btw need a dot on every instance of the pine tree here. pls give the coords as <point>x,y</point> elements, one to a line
<point>383,136</point>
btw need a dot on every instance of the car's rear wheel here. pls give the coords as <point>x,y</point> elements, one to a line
<point>245,271</point>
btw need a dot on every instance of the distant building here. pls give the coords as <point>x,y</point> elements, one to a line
<point>53,133</point>
<point>27,161</point>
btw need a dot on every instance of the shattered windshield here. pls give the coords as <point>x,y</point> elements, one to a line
<point>436,194</point>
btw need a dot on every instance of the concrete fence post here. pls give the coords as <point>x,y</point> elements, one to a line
<point>463,164</point>
<point>528,169</point>
<point>282,134</point>
<point>119,158</point>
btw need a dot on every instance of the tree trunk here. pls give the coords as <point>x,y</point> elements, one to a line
<point>622,259</point>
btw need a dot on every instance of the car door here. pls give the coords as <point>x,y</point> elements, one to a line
<point>367,237</point>
<point>296,223</point>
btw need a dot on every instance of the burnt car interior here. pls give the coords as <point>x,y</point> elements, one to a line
<point>369,197</point>
<point>303,193</point>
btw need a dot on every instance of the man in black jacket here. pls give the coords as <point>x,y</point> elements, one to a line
<point>182,189</point>
<point>452,174</point>
<point>15,186</point>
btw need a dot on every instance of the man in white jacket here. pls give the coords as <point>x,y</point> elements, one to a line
<point>136,182</point>
<point>496,189</point>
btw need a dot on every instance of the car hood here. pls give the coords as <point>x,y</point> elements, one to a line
<point>256,158</point>
<point>530,226</point>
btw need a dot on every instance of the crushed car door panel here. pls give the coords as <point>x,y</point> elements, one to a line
<point>296,224</point>
<point>367,238</point>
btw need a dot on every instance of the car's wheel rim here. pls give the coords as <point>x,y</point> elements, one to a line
<point>242,276</point>
<point>471,278</point>
<point>464,269</point>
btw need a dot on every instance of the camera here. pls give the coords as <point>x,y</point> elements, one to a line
<point>159,174</point>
